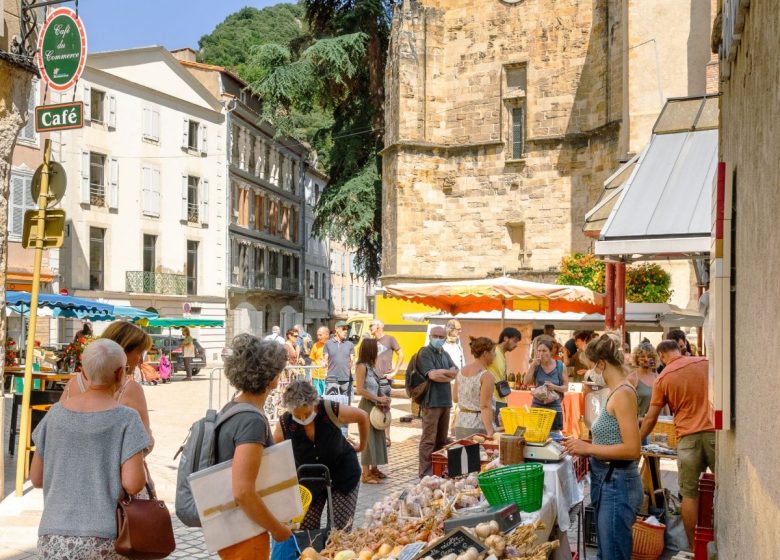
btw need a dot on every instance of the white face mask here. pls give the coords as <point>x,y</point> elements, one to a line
<point>597,378</point>
<point>308,420</point>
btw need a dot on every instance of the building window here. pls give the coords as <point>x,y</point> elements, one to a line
<point>267,161</point>
<point>96,257</point>
<point>324,286</point>
<point>97,179</point>
<point>343,297</point>
<point>234,147</point>
<point>309,285</point>
<point>252,159</point>
<point>97,102</point>
<point>518,132</point>
<point>273,264</point>
<point>192,198</point>
<point>19,201</point>
<point>192,135</point>
<point>316,285</point>
<point>516,233</point>
<point>286,266</point>
<point>192,267</point>
<point>28,133</point>
<point>151,123</point>
<point>150,252</point>
<point>259,266</point>
<point>293,177</point>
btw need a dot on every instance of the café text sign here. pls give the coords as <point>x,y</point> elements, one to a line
<point>62,49</point>
<point>59,117</point>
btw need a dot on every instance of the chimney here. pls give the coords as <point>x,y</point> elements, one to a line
<point>186,54</point>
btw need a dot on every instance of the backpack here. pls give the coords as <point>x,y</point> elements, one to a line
<point>197,453</point>
<point>415,384</point>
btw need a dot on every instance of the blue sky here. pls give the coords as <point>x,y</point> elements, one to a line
<point>122,24</point>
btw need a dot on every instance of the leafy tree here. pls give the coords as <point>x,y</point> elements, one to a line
<point>582,270</point>
<point>339,74</point>
<point>647,283</point>
<point>232,41</point>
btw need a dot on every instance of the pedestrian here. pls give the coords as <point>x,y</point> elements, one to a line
<point>85,332</point>
<point>291,345</point>
<point>275,336</point>
<point>83,475</point>
<point>683,386</point>
<point>474,389</point>
<point>549,378</point>
<point>682,341</point>
<point>187,352</point>
<point>573,354</point>
<point>340,354</point>
<point>135,342</point>
<point>507,341</point>
<point>314,427</point>
<point>304,344</point>
<point>368,388</point>
<point>437,367</point>
<point>616,488</point>
<point>452,345</point>
<point>644,360</point>
<point>548,334</point>
<point>317,356</point>
<point>253,368</point>
<point>164,368</point>
<point>387,346</point>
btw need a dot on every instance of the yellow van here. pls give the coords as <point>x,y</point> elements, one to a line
<point>409,334</point>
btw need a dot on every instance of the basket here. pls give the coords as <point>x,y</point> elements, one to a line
<point>305,502</point>
<point>512,417</point>
<point>538,422</point>
<point>664,434</point>
<point>514,484</point>
<point>648,541</point>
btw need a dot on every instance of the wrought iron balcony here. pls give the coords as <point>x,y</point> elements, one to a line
<point>143,282</point>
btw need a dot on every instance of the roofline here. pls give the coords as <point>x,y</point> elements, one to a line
<point>214,68</point>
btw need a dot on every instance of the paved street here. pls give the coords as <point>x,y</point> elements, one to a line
<point>173,408</point>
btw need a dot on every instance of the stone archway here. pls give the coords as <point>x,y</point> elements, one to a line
<point>246,319</point>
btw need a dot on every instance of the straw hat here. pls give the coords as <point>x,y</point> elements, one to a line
<point>379,418</point>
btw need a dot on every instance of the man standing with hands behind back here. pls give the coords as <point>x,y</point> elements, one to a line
<point>339,356</point>
<point>436,366</point>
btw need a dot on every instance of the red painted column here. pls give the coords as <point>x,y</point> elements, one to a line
<point>609,286</point>
<point>620,297</point>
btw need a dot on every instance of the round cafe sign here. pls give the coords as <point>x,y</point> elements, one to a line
<point>62,49</point>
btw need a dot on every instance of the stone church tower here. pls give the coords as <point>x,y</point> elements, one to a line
<point>504,117</point>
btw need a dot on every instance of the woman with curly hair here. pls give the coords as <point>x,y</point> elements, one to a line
<point>253,367</point>
<point>645,360</point>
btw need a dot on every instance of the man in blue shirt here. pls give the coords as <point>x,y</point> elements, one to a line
<point>339,357</point>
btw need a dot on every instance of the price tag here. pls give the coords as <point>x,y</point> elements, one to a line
<point>456,541</point>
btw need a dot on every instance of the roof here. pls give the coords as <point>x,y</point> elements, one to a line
<point>665,207</point>
<point>213,68</point>
<point>613,188</point>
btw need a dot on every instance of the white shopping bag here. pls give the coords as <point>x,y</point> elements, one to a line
<point>224,523</point>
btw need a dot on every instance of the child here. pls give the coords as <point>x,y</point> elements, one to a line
<point>164,369</point>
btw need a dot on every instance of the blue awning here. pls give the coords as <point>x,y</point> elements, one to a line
<point>119,312</point>
<point>20,302</point>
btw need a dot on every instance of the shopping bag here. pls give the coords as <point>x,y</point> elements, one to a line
<point>675,537</point>
<point>286,550</point>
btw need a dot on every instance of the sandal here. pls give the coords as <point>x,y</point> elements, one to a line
<point>378,474</point>
<point>369,480</point>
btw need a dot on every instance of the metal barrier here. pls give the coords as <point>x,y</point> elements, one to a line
<point>220,373</point>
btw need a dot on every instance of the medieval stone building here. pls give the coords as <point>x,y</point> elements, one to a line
<point>503,119</point>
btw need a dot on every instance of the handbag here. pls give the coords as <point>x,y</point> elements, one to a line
<point>503,388</point>
<point>143,527</point>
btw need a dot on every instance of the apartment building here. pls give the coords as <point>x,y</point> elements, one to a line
<point>317,281</point>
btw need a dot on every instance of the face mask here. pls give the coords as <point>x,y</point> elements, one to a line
<point>437,343</point>
<point>452,339</point>
<point>307,421</point>
<point>143,357</point>
<point>597,378</point>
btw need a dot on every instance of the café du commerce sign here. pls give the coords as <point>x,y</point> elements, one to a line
<point>62,49</point>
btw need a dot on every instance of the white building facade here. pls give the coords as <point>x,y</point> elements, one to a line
<point>317,281</point>
<point>146,218</point>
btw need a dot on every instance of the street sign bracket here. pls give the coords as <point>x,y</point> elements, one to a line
<point>30,24</point>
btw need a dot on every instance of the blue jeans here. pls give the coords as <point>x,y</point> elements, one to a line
<point>615,503</point>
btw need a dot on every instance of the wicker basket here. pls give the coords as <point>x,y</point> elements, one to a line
<point>664,434</point>
<point>648,541</point>
<point>519,484</point>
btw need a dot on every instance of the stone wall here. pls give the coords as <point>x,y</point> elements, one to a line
<point>748,495</point>
<point>457,204</point>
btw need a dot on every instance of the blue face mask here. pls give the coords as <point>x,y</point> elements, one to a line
<point>437,343</point>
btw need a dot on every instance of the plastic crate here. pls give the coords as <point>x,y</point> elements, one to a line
<point>581,466</point>
<point>589,527</point>
<point>702,536</point>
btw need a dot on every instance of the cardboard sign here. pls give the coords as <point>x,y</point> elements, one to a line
<point>454,542</point>
<point>462,460</point>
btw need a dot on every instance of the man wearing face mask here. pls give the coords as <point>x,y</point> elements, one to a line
<point>438,368</point>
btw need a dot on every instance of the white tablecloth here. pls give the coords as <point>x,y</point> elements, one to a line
<point>561,482</point>
<point>547,513</point>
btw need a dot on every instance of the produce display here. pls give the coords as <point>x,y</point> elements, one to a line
<point>417,515</point>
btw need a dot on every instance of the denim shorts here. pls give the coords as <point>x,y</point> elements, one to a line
<point>616,503</point>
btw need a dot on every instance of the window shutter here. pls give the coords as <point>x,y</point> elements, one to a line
<point>146,187</point>
<point>112,111</point>
<point>156,124</point>
<point>185,138</point>
<point>87,99</point>
<point>204,140</point>
<point>16,214</point>
<point>155,191</point>
<point>147,124</point>
<point>184,198</point>
<point>113,193</point>
<point>85,177</point>
<point>204,202</point>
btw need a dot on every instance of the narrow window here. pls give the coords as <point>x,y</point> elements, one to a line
<point>518,132</point>
<point>192,267</point>
<point>192,137</point>
<point>97,179</point>
<point>97,101</point>
<point>96,257</point>
<point>192,199</point>
<point>150,253</point>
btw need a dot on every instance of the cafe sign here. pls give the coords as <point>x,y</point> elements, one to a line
<point>62,49</point>
<point>59,117</point>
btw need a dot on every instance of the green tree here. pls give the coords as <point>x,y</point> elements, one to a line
<point>647,283</point>
<point>339,74</point>
<point>233,40</point>
<point>582,270</point>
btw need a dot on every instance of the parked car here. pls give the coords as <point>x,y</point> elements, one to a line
<point>171,345</point>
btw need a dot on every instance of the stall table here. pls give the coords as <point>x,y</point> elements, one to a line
<point>651,474</point>
<point>573,408</point>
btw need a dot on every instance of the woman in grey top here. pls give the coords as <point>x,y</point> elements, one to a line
<point>88,449</point>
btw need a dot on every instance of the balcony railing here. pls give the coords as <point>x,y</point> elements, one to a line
<point>192,213</point>
<point>97,195</point>
<point>143,282</point>
<point>270,283</point>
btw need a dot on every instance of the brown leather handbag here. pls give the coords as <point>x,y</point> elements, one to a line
<point>143,527</point>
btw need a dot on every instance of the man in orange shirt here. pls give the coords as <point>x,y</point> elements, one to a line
<point>683,386</point>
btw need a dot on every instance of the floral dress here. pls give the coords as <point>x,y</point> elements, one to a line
<point>469,419</point>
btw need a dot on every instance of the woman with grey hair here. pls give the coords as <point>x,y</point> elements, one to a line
<point>253,367</point>
<point>87,450</point>
<point>314,427</point>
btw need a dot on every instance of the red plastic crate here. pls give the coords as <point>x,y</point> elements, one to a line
<point>581,466</point>
<point>702,536</point>
<point>706,501</point>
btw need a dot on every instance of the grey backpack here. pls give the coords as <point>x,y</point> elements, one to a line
<point>199,451</point>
